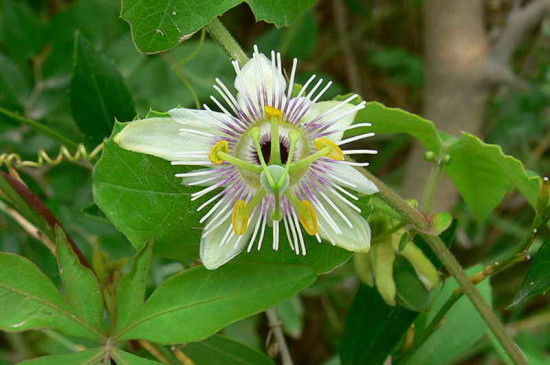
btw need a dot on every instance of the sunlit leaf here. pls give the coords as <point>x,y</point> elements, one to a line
<point>386,120</point>
<point>206,301</point>
<point>125,358</point>
<point>483,174</point>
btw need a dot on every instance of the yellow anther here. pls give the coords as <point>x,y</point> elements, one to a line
<point>221,146</point>
<point>239,218</point>
<point>335,152</point>
<point>308,217</point>
<point>271,112</point>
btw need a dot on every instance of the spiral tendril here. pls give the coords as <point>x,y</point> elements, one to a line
<point>43,158</point>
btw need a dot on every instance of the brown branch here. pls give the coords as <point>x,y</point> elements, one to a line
<point>39,207</point>
<point>275,325</point>
<point>520,21</point>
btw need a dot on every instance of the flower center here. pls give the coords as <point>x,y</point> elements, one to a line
<point>272,165</point>
<point>265,148</point>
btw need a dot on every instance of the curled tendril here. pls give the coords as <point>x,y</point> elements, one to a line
<point>43,159</point>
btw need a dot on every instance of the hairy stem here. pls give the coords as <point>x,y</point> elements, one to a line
<point>219,32</point>
<point>431,185</point>
<point>422,223</point>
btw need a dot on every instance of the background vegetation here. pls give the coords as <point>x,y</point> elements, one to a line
<point>476,66</point>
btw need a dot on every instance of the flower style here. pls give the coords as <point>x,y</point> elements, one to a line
<point>276,158</point>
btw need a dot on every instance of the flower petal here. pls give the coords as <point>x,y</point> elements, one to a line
<point>322,107</point>
<point>202,120</point>
<point>213,254</point>
<point>249,81</point>
<point>350,175</point>
<point>160,137</point>
<point>355,238</point>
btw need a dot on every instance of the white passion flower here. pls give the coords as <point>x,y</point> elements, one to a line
<point>277,160</point>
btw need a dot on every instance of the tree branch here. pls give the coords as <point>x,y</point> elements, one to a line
<point>275,325</point>
<point>520,21</point>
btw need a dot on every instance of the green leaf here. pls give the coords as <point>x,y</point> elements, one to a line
<point>372,329</point>
<point>158,25</point>
<point>29,300</point>
<point>291,313</point>
<point>81,286</point>
<point>86,357</point>
<point>125,358</point>
<point>322,257</point>
<point>537,280</point>
<point>131,289</point>
<point>98,93</point>
<point>198,69</point>
<point>14,86</point>
<point>461,329</point>
<point>206,301</point>
<point>143,199</point>
<point>298,40</point>
<point>482,174</point>
<point>222,350</point>
<point>21,28</point>
<point>386,120</point>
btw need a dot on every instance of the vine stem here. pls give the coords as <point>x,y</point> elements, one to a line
<point>39,127</point>
<point>422,223</point>
<point>418,219</point>
<point>219,32</point>
<point>275,324</point>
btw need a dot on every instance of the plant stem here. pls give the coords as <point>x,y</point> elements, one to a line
<point>39,127</point>
<point>219,32</point>
<point>431,185</point>
<point>422,223</point>
<point>275,324</point>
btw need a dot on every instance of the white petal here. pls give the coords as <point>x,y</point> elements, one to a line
<point>213,254</point>
<point>202,120</point>
<point>160,137</point>
<point>356,238</point>
<point>357,181</point>
<point>322,107</point>
<point>255,72</point>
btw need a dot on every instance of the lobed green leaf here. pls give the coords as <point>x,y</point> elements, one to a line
<point>158,25</point>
